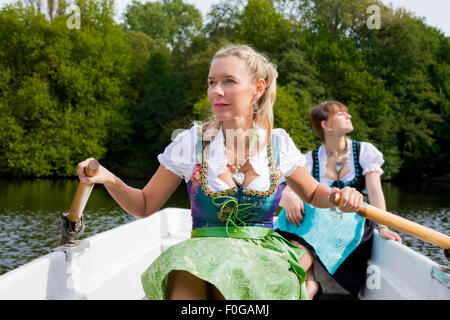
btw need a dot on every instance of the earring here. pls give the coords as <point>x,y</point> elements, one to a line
<point>255,106</point>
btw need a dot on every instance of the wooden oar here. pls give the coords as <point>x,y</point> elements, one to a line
<point>73,225</point>
<point>398,223</point>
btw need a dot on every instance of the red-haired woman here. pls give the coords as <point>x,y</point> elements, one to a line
<point>341,243</point>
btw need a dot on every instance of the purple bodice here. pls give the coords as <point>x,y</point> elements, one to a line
<point>247,207</point>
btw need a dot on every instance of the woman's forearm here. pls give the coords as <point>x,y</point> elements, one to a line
<point>317,194</point>
<point>375,191</point>
<point>320,196</point>
<point>285,196</point>
<point>308,189</point>
<point>378,201</point>
<point>131,200</point>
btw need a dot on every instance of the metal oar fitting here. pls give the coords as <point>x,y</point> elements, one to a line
<point>71,231</point>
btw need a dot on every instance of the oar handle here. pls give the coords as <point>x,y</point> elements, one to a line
<point>398,223</point>
<point>82,194</point>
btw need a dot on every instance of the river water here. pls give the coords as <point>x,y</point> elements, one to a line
<point>31,210</point>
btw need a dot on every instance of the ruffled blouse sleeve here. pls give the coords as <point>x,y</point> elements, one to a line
<point>179,155</point>
<point>309,161</point>
<point>290,156</point>
<point>370,158</point>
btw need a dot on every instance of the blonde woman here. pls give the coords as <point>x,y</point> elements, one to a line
<point>235,167</point>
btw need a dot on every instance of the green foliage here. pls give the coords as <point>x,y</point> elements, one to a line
<point>156,106</point>
<point>295,69</point>
<point>66,91</point>
<point>406,55</point>
<point>292,114</point>
<point>262,26</point>
<point>202,110</point>
<point>141,47</point>
<point>223,19</point>
<point>118,92</point>
<point>170,21</point>
<point>340,17</point>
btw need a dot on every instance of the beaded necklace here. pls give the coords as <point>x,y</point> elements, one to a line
<point>239,177</point>
<point>338,160</point>
<point>357,181</point>
<point>234,190</point>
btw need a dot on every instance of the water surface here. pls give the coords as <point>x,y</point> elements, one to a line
<point>31,210</point>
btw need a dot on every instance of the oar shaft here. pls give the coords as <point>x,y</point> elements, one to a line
<point>82,194</point>
<point>400,224</point>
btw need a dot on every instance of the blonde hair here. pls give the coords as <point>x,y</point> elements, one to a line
<point>261,68</point>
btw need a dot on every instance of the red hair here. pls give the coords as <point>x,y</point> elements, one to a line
<point>322,112</point>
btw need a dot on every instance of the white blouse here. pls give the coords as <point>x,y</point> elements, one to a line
<point>370,160</point>
<point>179,157</point>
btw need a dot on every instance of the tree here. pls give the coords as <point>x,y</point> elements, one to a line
<point>262,26</point>
<point>157,106</point>
<point>404,55</point>
<point>295,69</point>
<point>142,47</point>
<point>338,16</point>
<point>292,114</point>
<point>172,21</point>
<point>223,19</point>
<point>66,91</point>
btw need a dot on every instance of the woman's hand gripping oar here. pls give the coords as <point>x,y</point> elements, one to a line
<point>73,225</point>
<point>400,224</point>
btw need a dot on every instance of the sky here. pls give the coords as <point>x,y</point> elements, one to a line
<point>436,12</point>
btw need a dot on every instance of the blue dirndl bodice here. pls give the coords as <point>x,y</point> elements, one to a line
<point>333,237</point>
<point>245,206</point>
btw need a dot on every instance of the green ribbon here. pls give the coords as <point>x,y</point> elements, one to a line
<point>238,212</point>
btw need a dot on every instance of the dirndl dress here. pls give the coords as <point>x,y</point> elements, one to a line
<point>341,242</point>
<point>232,244</point>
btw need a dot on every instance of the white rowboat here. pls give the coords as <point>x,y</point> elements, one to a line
<point>109,265</point>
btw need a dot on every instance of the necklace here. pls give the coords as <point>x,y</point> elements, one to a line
<point>275,177</point>
<point>239,177</point>
<point>339,162</point>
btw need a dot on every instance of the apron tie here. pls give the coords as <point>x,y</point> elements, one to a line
<point>235,213</point>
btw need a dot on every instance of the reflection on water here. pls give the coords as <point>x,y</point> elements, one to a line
<point>427,204</point>
<point>31,210</point>
<point>30,214</point>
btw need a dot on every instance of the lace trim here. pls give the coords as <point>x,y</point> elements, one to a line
<point>275,176</point>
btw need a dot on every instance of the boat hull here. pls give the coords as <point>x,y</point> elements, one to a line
<point>109,266</point>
